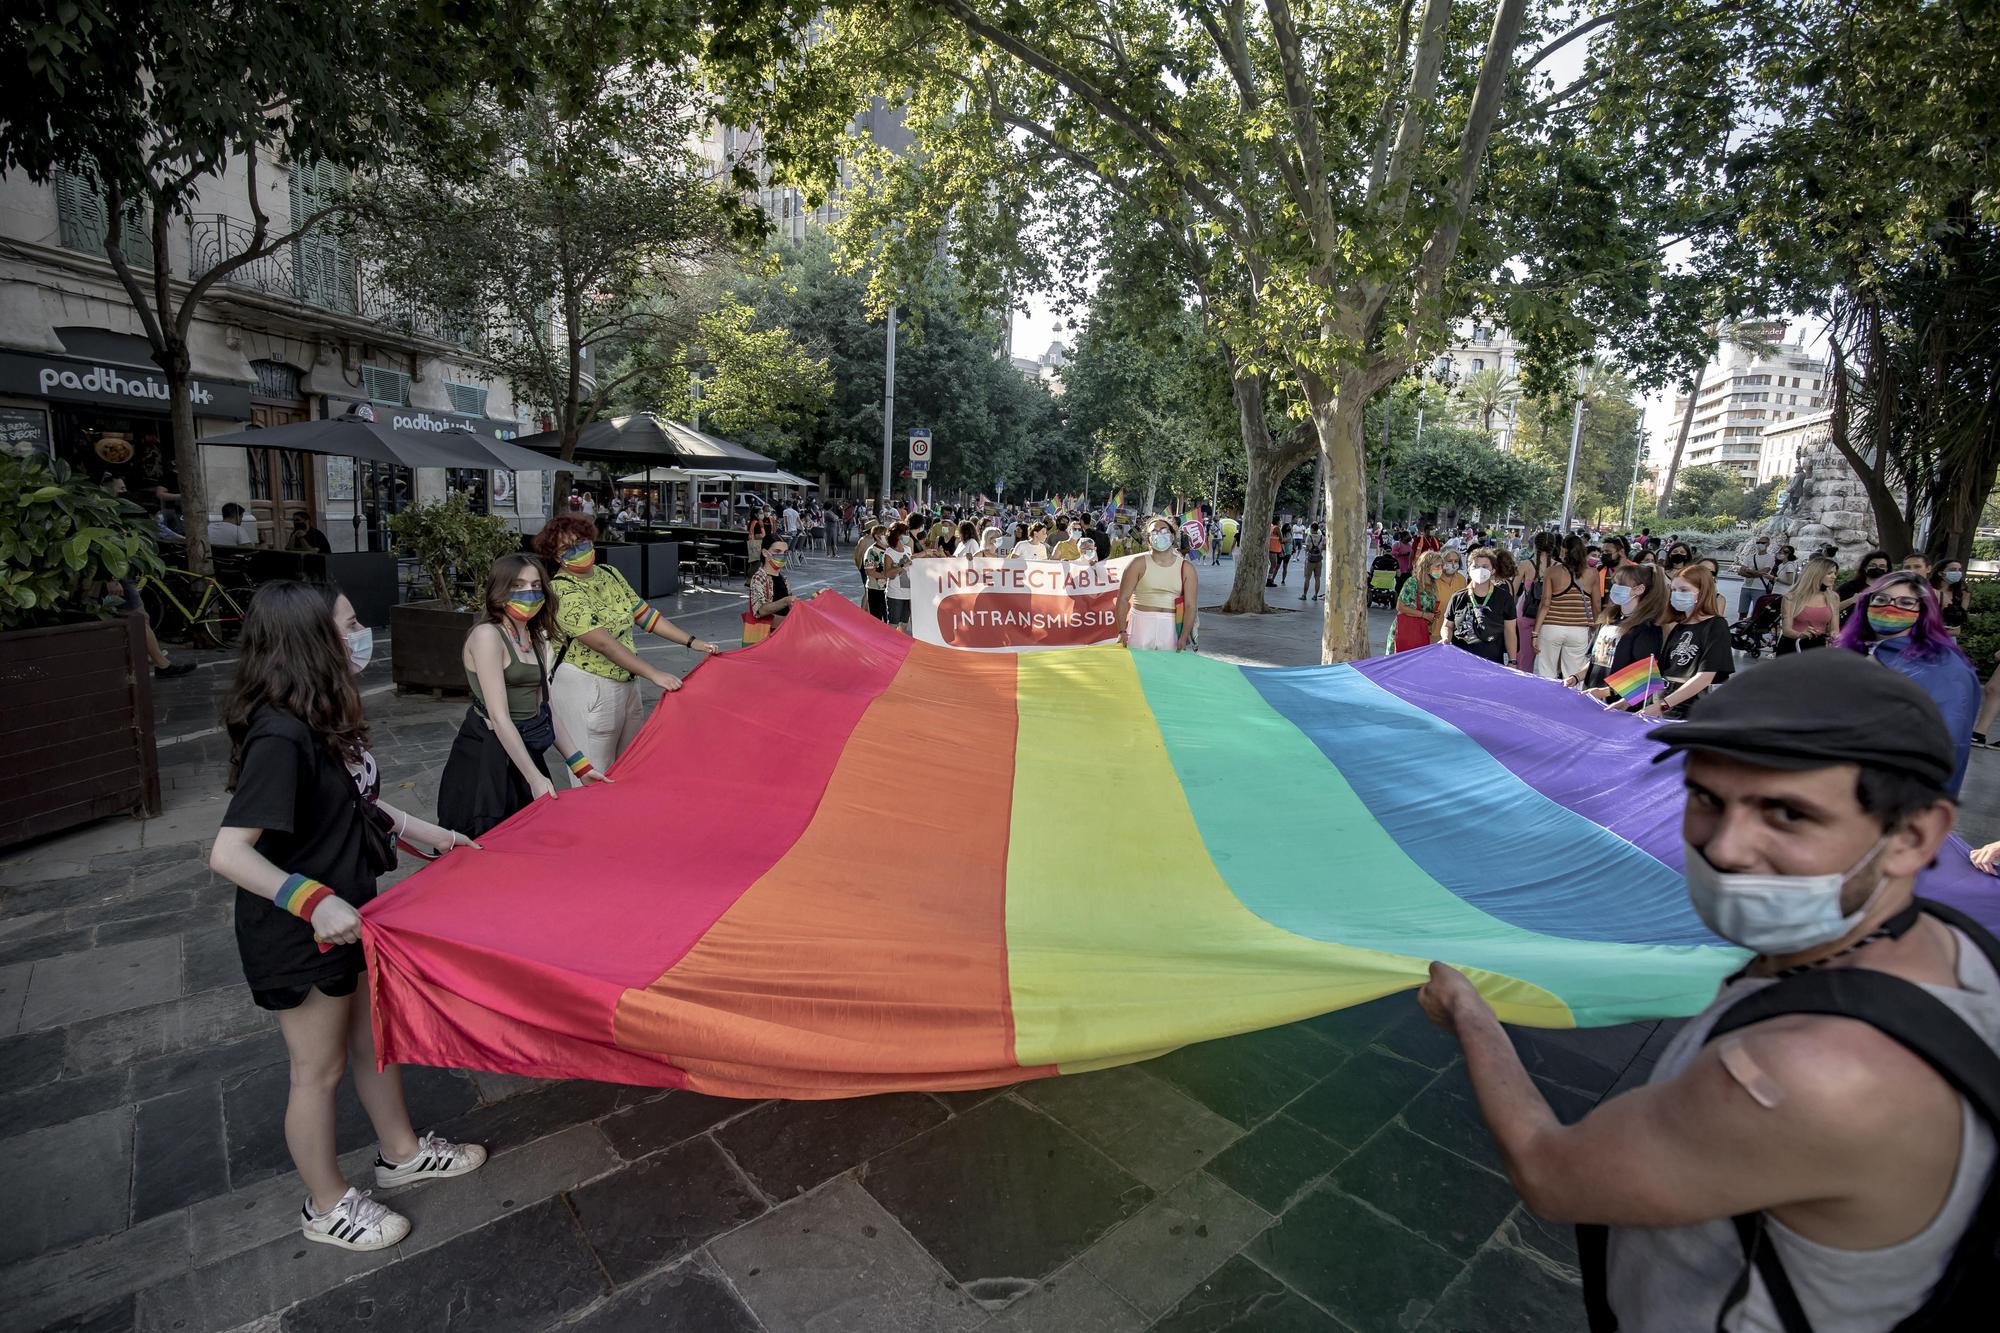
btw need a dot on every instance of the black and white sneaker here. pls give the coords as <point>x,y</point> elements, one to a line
<point>357,1222</point>
<point>436,1158</point>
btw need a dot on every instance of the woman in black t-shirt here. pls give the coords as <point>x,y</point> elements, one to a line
<point>1697,653</point>
<point>1954,603</point>
<point>303,840</point>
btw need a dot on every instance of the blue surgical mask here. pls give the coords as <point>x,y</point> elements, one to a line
<point>1775,915</point>
<point>1954,575</point>
<point>1683,602</point>
<point>360,648</point>
<point>1162,541</point>
<point>1621,593</point>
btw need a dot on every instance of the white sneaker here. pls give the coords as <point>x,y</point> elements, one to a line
<point>357,1222</point>
<point>436,1158</point>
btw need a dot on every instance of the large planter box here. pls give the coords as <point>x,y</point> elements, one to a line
<point>426,640</point>
<point>76,734</point>
<point>627,559</point>
<point>663,569</point>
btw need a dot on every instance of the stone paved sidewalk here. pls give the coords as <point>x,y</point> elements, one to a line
<point>1324,1176</point>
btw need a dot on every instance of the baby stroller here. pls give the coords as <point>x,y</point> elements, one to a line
<point>1758,631</point>
<point>1382,581</point>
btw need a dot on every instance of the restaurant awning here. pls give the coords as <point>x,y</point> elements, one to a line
<point>362,438</point>
<point>676,475</point>
<point>643,438</point>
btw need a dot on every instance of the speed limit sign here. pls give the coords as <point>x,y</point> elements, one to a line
<point>920,451</point>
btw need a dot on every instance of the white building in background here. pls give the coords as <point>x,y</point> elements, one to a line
<point>1744,394</point>
<point>303,333</point>
<point>1047,368</point>
<point>1482,347</point>
<point>1782,444</point>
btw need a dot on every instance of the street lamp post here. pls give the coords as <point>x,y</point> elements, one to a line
<point>1569,478</point>
<point>889,413</point>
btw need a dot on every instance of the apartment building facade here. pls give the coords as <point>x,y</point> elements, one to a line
<point>1747,391</point>
<point>303,333</point>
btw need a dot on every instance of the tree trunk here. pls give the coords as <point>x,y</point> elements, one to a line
<point>1892,523</point>
<point>1680,443</point>
<point>1270,463</point>
<point>187,455</point>
<point>1344,633</point>
<point>1152,488</point>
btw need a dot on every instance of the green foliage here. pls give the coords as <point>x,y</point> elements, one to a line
<point>764,386</point>
<point>988,421</point>
<point>1454,470</point>
<point>1760,501</point>
<point>1981,637</point>
<point>1612,435</point>
<point>1985,548</point>
<point>586,249</point>
<point>62,538</point>
<point>453,545</point>
<point>1709,490</point>
<point>1154,403</point>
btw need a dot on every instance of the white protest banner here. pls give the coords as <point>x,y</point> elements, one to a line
<point>1007,606</point>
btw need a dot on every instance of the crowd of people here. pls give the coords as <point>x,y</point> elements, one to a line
<point>1583,611</point>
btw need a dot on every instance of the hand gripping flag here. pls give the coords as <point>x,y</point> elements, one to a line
<point>762,946</point>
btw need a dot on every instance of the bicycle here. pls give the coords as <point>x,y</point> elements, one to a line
<point>213,621</point>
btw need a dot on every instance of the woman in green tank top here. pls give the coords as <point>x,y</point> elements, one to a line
<point>496,765</point>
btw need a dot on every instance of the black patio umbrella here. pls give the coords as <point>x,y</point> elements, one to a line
<point>643,439</point>
<point>361,437</point>
<point>503,455</point>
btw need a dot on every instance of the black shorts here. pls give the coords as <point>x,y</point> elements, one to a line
<point>291,997</point>
<point>899,610</point>
<point>878,603</point>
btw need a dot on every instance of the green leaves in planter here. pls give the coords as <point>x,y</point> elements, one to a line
<point>62,538</point>
<point>454,546</point>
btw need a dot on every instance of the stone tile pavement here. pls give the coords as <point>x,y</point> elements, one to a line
<point>1330,1175</point>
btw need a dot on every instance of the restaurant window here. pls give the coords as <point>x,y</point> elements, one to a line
<point>384,385</point>
<point>471,482</point>
<point>83,220</point>
<point>466,399</point>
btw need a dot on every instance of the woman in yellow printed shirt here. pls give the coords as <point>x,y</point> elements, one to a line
<point>594,691</point>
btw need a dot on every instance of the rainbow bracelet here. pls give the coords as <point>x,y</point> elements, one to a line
<point>645,617</point>
<point>578,765</point>
<point>301,896</point>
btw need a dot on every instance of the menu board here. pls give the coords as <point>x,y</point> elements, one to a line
<point>339,478</point>
<point>24,431</point>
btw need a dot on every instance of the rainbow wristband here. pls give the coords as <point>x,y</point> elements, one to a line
<point>578,765</point>
<point>645,617</point>
<point>301,896</point>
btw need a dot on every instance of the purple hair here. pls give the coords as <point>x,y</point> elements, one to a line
<point>1927,636</point>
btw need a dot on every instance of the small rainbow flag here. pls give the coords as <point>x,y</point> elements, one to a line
<point>1636,681</point>
<point>1118,500</point>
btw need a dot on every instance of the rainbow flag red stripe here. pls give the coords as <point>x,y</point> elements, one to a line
<point>1637,680</point>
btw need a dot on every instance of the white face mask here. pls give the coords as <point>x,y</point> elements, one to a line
<point>360,649</point>
<point>1162,541</point>
<point>1775,914</point>
<point>1480,576</point>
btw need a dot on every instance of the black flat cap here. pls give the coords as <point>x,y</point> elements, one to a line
<point>1817,709</point>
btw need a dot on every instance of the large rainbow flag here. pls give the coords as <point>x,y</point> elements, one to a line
<point>841,862</point>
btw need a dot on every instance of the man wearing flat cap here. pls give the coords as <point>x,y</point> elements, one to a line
<point>1785,1168</point>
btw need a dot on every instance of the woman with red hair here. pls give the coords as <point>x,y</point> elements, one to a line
<point>594,690</point>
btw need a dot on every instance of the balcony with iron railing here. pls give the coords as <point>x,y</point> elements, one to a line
<point>316,271</point>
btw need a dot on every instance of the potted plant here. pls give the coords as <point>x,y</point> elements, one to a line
<point>453,546</point>
<point>76,736</point>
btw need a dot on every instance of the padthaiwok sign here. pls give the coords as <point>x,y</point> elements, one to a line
<point>113,384</point>
<point>1012,605</point>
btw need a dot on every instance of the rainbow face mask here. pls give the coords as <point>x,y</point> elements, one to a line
<point>775,561</point>
<point>523,603</point>
<point>580,558</point>
<point>1889,621</point>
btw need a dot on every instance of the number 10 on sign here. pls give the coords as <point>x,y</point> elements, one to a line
<point>920,452</point>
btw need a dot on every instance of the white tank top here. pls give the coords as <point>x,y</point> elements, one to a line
<point>1159,585</point>
<point>1674,1279</point>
